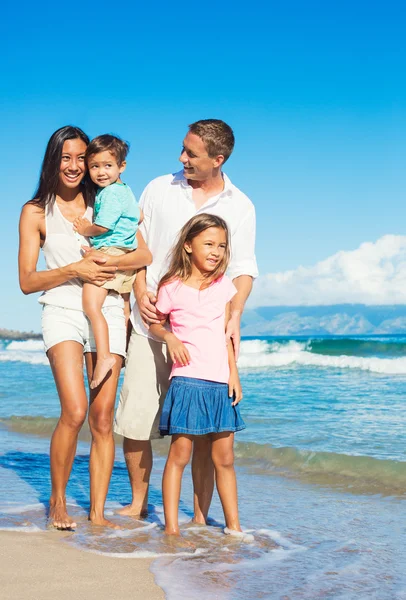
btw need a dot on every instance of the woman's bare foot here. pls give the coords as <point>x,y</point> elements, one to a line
<point>96,520</point>
<point>131,510</point>
<point>59,516</point>
<point>103,367</point>
<point>175,540</point>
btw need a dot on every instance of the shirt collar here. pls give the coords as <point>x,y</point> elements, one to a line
<point>179,178</point>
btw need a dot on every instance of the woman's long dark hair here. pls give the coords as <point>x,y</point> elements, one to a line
<point>49,177</point>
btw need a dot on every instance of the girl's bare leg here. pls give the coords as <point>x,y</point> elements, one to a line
<point>178,458</point>
<point>66,360</point>
<point>223,459</point>
<point>101,413</point>
<point>203,477</point>
<point>93,298</point>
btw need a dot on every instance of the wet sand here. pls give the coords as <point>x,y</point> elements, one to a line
<point>39,566</point>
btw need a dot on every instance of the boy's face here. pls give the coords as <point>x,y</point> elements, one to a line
<point>103,168</point>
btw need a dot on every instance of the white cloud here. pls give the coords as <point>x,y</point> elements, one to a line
<point>374,273</point>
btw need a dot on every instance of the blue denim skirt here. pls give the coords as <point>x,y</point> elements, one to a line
<point>197,406</point>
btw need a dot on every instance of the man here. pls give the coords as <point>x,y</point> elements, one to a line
<point>168,202</point>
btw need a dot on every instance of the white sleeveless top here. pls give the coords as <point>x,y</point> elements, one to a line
<point>62,247</point>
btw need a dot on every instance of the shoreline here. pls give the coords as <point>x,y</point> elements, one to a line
<point>40,566</point>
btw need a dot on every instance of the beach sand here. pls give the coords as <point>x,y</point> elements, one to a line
<point>39,566</point>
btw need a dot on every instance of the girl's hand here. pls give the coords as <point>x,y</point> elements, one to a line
<point>177,350</point>
<point>234,387</point>
<point>81,225</point>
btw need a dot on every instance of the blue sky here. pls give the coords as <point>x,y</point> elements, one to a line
<point>315,92</point>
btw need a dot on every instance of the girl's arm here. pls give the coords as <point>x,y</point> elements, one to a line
<point>90,269</point>
<point>234,385</point>
<point>177,350</point>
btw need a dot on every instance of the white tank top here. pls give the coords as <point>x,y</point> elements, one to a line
<point>62,247</point>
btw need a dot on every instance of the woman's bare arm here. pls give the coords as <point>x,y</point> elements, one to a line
<point>88,269</point>
<point>132,261</point>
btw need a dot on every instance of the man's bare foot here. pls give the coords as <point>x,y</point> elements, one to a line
<point>103,522</point>
<point>103,367</point>
<point>132,511</point>
<point>59,516</point>
<point>199,520</point>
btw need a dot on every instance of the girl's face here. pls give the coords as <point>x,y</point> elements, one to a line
<point>73,166</point>
<point>207,249</point>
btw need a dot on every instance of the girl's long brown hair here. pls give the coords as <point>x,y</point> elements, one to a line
<point>180,265</point>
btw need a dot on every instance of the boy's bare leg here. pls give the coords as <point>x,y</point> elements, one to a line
<point>178,458</point>
<point>203,477</point>
<point>127,314</point>
<point>93,298</point>
<point>223,458</point>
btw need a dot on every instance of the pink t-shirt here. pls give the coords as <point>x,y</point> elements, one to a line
<point>197,318</point>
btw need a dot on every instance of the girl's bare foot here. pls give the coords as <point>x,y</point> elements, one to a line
<point>131,510</point>
<point>59,516</point>
<point>103,367</point>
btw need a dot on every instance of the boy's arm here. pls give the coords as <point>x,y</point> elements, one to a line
<point>85,227</point>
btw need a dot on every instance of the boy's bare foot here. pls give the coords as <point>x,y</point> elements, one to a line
<point>59,516</point>
<point>132,511</point>
<point>103,367</point>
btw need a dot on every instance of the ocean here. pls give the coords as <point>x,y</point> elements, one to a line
<point>321,472</point>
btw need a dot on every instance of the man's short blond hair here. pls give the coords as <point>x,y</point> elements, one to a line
<point>218,137</point>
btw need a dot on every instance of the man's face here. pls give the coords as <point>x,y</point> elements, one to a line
<point>197,164</point>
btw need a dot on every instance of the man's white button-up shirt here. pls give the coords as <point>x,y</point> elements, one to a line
<point>167,204</point>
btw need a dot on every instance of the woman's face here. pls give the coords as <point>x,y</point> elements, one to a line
<point>73,166</point>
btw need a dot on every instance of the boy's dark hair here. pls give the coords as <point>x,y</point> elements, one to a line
<point>110,143</point>
<point>218,137</point>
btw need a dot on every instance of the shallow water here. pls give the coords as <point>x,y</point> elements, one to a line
<point>321,471</point>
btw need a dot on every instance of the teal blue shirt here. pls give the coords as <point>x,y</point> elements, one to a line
<point>116,209</point>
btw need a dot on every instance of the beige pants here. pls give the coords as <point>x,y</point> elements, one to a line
<point>146,382</point>
<point>123,281</point>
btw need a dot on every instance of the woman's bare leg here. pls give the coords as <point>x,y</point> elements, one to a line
<point>93,298</point>
<point>222,453</point>
<point>178,458</point>
<point>66,360</point>
<point>101,413</point>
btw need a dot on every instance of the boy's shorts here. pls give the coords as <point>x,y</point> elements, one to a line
<point>123,281</point>
<point>67,324</point>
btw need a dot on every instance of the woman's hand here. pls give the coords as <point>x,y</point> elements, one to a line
<point>234,387</point>
<point>177,350</point>
<point>92,268</point>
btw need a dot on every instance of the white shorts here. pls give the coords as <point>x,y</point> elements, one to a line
<point>66,324</point>
<point>146,382</point>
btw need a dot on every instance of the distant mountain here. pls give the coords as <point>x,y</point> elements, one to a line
<point>11,334</point>
<point>339,319</point>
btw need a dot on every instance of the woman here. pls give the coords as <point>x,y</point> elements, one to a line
<point>64,193</point>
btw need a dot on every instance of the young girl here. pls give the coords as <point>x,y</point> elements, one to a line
<point>116,219</point>
<point>205,388</point>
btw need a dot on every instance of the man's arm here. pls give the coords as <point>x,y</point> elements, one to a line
<point>243,283</point>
